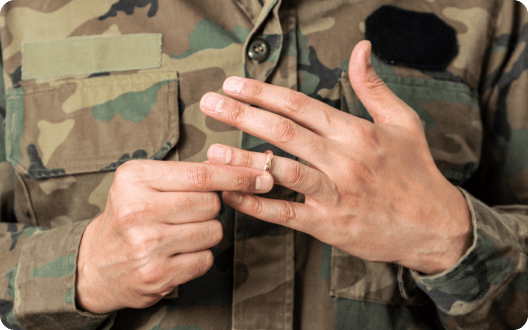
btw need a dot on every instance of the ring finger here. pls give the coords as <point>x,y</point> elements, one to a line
<point>286,172</point>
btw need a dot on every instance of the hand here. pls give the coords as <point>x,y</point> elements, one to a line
<point>371,189</point>
<point>155,231</point>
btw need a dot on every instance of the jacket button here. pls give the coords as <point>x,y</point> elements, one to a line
<point>259,50</point>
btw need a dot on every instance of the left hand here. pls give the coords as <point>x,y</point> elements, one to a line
<point>371,189</point>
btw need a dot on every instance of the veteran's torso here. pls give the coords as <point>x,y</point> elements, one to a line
<point>124,81</point>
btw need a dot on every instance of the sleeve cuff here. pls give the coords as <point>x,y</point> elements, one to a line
<point>45,282</point>
<point>491,262</point>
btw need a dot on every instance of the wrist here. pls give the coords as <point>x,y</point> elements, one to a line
<point>451,240</point>
<point>88,296</point>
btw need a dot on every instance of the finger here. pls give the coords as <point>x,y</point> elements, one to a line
<point>183,176</point>
<point>191,237</point>
<point>181,207</point>
<point>382,104</point>
<point>306,111</point>
<point>293,215</point>
<point>188,266</point>
<point>286,172</point>
<point>277,130</point>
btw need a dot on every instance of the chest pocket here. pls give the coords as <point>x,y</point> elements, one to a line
<point>451,118</point>
<point>64,134</point>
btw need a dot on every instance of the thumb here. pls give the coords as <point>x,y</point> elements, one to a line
<point>382,104</point>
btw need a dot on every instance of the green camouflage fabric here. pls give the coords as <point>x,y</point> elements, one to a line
<point>68,127</point>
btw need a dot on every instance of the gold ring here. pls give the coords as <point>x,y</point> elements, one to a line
<point>268,160</point>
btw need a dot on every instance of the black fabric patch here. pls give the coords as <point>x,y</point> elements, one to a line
<point>409,38</point>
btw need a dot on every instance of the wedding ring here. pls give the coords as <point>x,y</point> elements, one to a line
<point>268,160</point>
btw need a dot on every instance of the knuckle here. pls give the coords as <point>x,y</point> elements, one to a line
<point>236,112</point>
<point>167,290</point>
<point>147,276</point>
<point>244,183</point>
<point>131,172</point>
<point>187,203</point>
<point>287,213</point>
<point>214,203</point>
<point>127,215</point>
<point>208,202</point>
<point>295,102</point>
<point>162,286</point>
<point>203,264</point>
<point>200,177</point>
<point>208,260</point>
<point>369,133</point>
<point>140,243</point>
<point>293,175</point>
<point>254,205</point>
<point>217,232</point>
<point>195,235</point>
<point>245,159</point>
<point>373,82</point>
<point>361,174</point>
<point>255,92</point>
<point>208,234</point>
<point>286,130</point>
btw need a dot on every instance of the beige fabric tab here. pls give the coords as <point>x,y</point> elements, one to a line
<point>90,54</point>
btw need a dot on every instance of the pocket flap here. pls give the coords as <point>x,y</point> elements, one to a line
<point>80,125</point>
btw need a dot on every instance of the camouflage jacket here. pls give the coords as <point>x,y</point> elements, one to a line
<point>92,84</point>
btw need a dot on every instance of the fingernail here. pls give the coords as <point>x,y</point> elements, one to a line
<point>220,154</point>
<point>233,197</point>
<point>233,85</point>
<point>264,183</point>
<point>368,53</point>
<point>212,102</point>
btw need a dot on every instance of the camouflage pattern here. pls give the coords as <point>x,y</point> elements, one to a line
<point>65,135</point>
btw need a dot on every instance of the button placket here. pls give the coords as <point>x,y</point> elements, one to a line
<point>264,43</point>
<point>264,252</point>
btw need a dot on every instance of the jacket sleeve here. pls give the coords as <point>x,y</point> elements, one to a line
<point>488,287</point>
<point>37,265</point>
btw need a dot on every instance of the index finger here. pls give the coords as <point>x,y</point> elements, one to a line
<point>184,176</point>
<point>310,113</point>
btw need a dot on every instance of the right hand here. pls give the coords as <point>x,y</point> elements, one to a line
<point>156,231</point>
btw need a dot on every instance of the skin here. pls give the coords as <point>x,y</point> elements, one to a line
<point>159,220</point>
<point>372,190</point>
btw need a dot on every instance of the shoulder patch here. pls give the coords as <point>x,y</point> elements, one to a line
<point>409,38</point>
